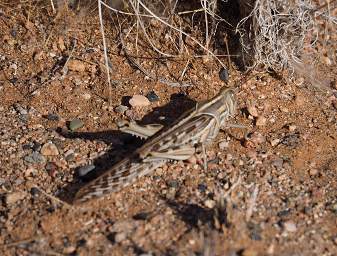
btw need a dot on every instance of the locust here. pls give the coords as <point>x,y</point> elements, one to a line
<point>198,126</point>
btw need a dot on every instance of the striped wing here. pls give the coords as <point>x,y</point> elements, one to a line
<point>119,176</point>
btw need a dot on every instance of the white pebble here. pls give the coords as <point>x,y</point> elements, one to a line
<point>290,226</point>
<point>139,101</point>
<point>210,203</point>
<point>252,110</point>
<point>223,144</point>
<point>261,121</point>
<point>49,149</point>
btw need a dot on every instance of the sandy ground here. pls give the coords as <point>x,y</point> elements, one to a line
<point>271,192</point>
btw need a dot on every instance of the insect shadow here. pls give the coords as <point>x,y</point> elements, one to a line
<point>121,144</point>
<point>196,216</point>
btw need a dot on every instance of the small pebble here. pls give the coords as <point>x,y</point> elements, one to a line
<point>121,109</point>
<point>76,65</point>
<point>299,100</point>
<point>84,170</point>
<point>13,80</point>
<point>35,157</point>
<point>278,163</point>
<point>252,110</point>
<point>30,171</point>
<point>20,109</point>
<point>202,187</point>
<point>152,96</point>
<point>86,96</point>
<point>261,121</point>
<point>210,203</point>
<point>284,109</point>
<point>49,149</point>
<point>291,140</point>
<point>82,242</point>
<point>131,114</point>
<point>69,155</point>
<point>139,101</point>
<point>120,237</point>
<point>36,146</point>
<point>51,168</point>
<point>327,61</point>
<point>223,74</point>
<point>223,145</point>
<point>313,172</point>
<point>274,142</point>
<point>13,197</point>
<point>141,216</point>
<point>289,226</point>
<point>173,183</point>
<point>292,128</point>
<point>35,192</point>
<point>255,139</point>
<point>53,117</point>
<point>27,146</point>
<point>75,124</point>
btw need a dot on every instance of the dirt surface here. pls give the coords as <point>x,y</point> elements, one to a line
<point>270,189</point>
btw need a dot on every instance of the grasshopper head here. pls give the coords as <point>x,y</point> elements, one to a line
<point>228,106</point>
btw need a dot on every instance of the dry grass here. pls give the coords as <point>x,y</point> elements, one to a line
<point>279,30</point>
<point>272,34</point>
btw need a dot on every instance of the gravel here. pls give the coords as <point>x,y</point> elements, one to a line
<point>35,157</point>
<point>75,124</point>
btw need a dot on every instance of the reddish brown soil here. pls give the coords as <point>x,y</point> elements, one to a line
<point>272,193</point>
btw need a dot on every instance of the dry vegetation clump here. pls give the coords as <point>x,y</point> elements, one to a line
<point>255,33</point>
<point>273,33</point>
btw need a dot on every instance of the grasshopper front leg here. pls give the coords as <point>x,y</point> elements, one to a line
<point>142,131</point>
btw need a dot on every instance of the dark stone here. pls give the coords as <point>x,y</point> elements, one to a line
<point>173,183</point>
<point>36,146</point>
<point>27,146</point>
<point>35,157</point>
<point>284,213</point>
<point>291,140</point>
<point>35,192</point>
<point>202,187</point>
<point>52,117</point>
<point>223,74</point>
<point>82,242</point>
<point>152,96</point>
<point>13,80</point>
<point>255,231</point>
<point>141,216</point>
